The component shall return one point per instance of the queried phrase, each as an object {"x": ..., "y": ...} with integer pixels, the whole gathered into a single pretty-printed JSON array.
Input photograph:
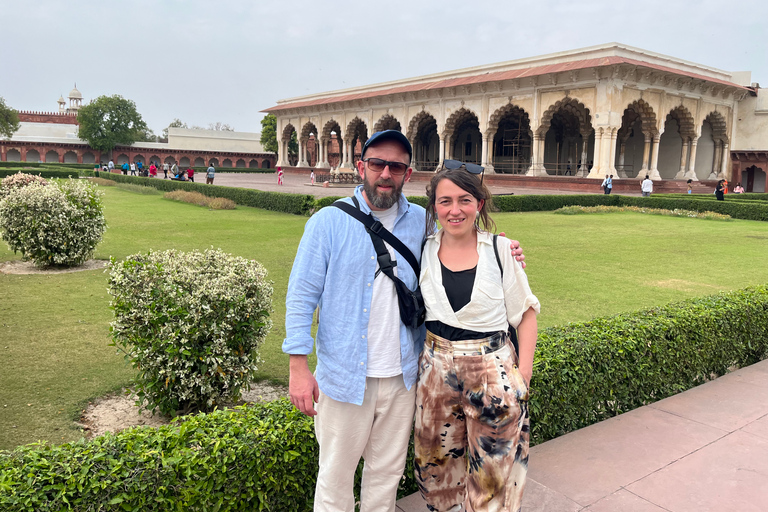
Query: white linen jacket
[{"x": 493, "y": 304}]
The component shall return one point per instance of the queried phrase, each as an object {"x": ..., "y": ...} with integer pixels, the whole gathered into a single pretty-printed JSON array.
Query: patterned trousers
[{"x": 472, "y": 428}]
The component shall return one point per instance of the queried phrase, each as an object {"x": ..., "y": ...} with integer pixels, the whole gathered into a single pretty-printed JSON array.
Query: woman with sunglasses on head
[{"x": 472, "y": 426}]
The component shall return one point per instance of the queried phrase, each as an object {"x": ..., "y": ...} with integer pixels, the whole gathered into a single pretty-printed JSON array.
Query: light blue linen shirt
[{"x": 334, "y": 267}]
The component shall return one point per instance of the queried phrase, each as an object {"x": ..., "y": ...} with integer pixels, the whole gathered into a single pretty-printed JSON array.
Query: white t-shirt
[
  {"x": 384, "y": 321},
  {"x": 646, "y": 185}
]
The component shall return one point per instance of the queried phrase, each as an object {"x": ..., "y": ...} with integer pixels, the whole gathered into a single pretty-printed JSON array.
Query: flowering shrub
[
  {"x": 56, "y": 224},
  {"x": 191, "y": 324},
  {"x": 575, "y": 210},
  {"x": 19, "y": 180}
]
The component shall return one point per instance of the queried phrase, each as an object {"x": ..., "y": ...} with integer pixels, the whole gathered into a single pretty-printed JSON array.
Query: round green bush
[
  {"x": 55, "y": 224},
  {"x": 191, "y": 324}
]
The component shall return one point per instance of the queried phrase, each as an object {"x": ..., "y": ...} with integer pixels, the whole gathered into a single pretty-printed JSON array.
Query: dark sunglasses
[
  {"x": 469, "y": 167},
  {"x": 378, "y": 165}
]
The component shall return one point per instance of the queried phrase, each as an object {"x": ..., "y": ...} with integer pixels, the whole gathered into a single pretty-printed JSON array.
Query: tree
[
  {"x": 269, "y": 136},
  {"x": 9, "y": 120},
  {"x": 220, "y": 127},
  {"x": 108, "y": 121},
  {"x": 146, "y": 135},
  {"x": 176, "y": 123}
]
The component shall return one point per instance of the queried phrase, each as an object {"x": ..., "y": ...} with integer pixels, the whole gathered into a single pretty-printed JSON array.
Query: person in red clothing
[
  {"x": 190, "y": 174},
  {"x": 153, "y": 170}
]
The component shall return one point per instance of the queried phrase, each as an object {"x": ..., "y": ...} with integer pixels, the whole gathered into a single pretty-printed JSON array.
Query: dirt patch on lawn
[
  {"x": 114, "y": 413},
  {"x": 27, "y": 267}
]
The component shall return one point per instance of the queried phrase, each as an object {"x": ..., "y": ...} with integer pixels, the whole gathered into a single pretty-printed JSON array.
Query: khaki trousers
[{"x": 379, "y": 431}]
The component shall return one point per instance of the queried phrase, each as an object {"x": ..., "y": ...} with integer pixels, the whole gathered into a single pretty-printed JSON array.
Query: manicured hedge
[
  {"x": 587, "y": 372},
  {"x": 45, "y": 173},
  {"x": 265, "y": 456},
  {"x": 262, "y": 457},
  {"x": 297, "y": 204}
]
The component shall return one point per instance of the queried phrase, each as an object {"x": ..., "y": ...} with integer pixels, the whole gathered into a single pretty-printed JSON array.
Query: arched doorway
[
  {"x": 89, "y": 158},
  {"x": 240, "y": 163},
  {"x": 675, "y": 143},
  {"x": 331, "y": 145},
  {"x": 634, "y": 139},
  {"x": 512, "y": 140},
  {"x": 290, "y": 145},
  {"x": 122, "y": 158},
  {"x": 462, "y": 131},
  {"x": 226, "y": 163},
  {"x": 566, "y": 138},
  {"x": 422, "y": 132},
  {"x": 13, "y": 155},
  {"x": 387, "y": 122},
  {"x": 357, "y": 134},
  {"x": 712, "y": 147},
  {"x": 51, "y": 157},
  {"x": 33, "y": 155},
  {"x": 184, "y": 162},
  {"x": 753, "y": 179},
  {"x": 308, "y": 150},
  {"x": 70, "y": 157},
  {"x": 199, "y": 162}
]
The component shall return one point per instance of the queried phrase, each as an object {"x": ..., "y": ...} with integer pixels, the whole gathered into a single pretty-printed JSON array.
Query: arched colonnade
[{"x": 663, "y": 140}]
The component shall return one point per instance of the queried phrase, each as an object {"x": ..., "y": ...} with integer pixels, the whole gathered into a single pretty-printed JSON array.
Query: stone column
[
  {"x": 653, "y": 172},
  {"x": 321, "y": 156},
  {"x": 646, "y": 157},
  {"x": 726, "y": 160},
  {"x": 584, "y": 169},
  {"x": 302, "y": 153},
  {"x": 622, "y": 152},
  {"x": 441, "y": 152},
  {"x": 346, "y": 160},
  {"x": 537, "y": 168},
  {"x": 716, "y": 160},
  {"x": 691, "y": 173},
  {"x": 597, "y": 165},
  {"x": 683, "y": 159},
  {"x": 612, "y": 153},
  {"x": 484, "y": 160}
]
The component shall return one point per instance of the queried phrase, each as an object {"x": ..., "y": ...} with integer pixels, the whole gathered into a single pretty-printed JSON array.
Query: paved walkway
[{"x": 702, "y": 450}]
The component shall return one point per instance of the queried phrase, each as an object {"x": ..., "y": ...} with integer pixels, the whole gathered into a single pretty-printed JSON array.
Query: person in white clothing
[
  {"x": 646, "y": 186},
  {"x": 472, "y": 426}
]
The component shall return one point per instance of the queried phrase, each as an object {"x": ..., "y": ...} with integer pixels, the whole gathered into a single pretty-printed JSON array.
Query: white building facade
[{"x": 608, "y": 109}]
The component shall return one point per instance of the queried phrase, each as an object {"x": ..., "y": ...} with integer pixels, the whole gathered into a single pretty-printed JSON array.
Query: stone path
[{"x": 705, "y": 449}]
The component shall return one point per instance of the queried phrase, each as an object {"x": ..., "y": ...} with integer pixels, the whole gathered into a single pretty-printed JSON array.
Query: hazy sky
[{"x": 225, "y": 60}]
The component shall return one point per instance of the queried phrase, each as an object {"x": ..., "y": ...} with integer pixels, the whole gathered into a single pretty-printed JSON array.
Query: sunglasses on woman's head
[{"x": 469, "y": 167}]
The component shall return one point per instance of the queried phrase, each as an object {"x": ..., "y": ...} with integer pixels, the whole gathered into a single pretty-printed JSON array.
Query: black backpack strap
[
  {"x": 375, "y": 227},
  {"x": 498, "y": 259}
]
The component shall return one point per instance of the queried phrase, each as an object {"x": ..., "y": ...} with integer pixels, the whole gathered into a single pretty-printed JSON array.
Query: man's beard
[{"x": 383, "y": 201}]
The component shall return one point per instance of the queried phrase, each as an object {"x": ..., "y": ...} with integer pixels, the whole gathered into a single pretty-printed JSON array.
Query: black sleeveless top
[{"x": 458, "y": 287}]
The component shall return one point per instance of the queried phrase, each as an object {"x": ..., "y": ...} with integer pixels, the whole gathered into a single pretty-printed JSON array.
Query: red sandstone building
[{"x": 52, "y": 137}]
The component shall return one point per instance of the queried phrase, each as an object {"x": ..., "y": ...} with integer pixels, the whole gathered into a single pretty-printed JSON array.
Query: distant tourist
[
  {"x": 312, "y": 177},
  {"x": 191, "y": 174},
  {"x": 279, "y": 175},
  {"x": 111, "y": 165},
  {"x": 738, "y": 189},
  {"x": 209, "y": 174},
  {"x": 720, "y": 191},
  {"x": 125, "y": 168},
  {"x": 140, "y": 167},
  {"x": 133, "y": 169},
  {"x": 607, "y": 184},
  {"x": 174, "y": 170},
  {"x": 153, "y": 170},
  {"x": 690, "y": 186},
  {"x": 646, "y": 186}
]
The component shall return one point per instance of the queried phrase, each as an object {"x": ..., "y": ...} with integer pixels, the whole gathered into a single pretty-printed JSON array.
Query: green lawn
[{"x": 54, "y": 328}]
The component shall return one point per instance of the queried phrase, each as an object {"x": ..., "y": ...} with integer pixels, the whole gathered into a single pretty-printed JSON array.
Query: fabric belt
[{"x": 466, "y": 347}]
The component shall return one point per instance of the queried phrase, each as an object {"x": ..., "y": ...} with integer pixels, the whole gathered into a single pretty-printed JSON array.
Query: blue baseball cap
[{"x": 395, "y": 135}]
